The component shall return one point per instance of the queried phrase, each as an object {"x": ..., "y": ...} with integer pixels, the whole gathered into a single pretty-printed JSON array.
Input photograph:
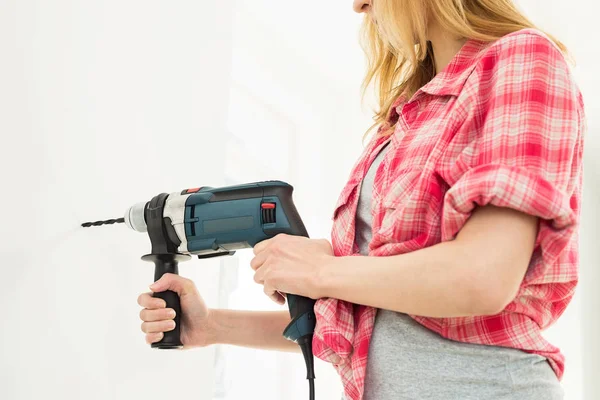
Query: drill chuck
[{"x": 135, "y": 219}]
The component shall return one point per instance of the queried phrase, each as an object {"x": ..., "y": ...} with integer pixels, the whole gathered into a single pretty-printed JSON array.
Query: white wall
[
  {"x": 102, "y": 104},
  {"x": 92, "y": 93}
]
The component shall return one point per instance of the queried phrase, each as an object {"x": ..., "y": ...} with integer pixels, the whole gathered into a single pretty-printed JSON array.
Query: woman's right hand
[{"x": 158, "y": 319}]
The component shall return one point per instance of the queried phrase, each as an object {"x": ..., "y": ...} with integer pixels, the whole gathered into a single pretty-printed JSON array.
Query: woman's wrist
[
  {"x": 324, "y": 282},
  {"x": 213, "y": 329}
]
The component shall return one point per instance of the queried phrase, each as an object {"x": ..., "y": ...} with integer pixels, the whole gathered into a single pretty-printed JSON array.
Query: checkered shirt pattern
[{"x": 502, "y": 124}]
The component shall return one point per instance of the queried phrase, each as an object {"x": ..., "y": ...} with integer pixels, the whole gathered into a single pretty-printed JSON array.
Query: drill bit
[{"x": 107, "y": 222}]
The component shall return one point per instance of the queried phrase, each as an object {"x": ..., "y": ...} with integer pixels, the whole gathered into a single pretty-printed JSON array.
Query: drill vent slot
[
  {"x": 268, "y": 215},
  {"x": 193, "y": 224}
]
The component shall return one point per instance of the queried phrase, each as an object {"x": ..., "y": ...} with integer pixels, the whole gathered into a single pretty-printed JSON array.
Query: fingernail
[
  {"x": 152, "y": 287},
  {"x": 171, "y": 313}
]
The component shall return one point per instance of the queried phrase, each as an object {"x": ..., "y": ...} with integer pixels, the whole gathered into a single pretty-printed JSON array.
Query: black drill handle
[
  {"x": 163, "y": 264},
  {"x": 171, "y": 339},
  {"x": 301, "y": 308},
  {"x": 299, "y": 305}
]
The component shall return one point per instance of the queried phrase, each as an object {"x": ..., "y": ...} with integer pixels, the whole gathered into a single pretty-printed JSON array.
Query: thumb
[{"x": 173, "y": 282}]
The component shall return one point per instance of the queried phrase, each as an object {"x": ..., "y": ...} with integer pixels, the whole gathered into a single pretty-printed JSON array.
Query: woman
[{"x": 454, "y": 242}]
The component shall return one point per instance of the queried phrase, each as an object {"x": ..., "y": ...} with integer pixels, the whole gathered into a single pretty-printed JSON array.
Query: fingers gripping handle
[
  {"x": 171, "y": 339},
  {"x": 163, "y": 264}
]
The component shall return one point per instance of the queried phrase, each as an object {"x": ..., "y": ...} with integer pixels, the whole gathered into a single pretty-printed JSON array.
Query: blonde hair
[{"x": 400, "y": 60}]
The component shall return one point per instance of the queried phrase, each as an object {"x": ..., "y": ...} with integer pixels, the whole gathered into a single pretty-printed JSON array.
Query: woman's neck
[{"x": 445, "y": 46}]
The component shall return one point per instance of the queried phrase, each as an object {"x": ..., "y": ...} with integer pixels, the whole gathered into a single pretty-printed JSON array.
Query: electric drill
[{"x": 211, "y": 222}]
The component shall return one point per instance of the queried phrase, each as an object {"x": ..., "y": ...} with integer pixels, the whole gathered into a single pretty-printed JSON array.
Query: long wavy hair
[{"x": 400, "y": 60}]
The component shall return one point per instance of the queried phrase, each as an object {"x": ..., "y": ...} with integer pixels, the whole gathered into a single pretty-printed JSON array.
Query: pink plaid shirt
[{"x": 502, "y": 124}]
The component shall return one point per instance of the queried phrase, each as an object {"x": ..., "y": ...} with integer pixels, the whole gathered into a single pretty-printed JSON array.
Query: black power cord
[{"x": 305, "y": 344}]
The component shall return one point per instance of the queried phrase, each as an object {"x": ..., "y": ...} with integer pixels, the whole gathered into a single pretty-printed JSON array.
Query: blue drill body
[{"x": 219, "y": 221}]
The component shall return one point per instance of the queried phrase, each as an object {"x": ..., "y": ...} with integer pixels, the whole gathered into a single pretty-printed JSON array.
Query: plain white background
[{"x": 104, "y": 104}]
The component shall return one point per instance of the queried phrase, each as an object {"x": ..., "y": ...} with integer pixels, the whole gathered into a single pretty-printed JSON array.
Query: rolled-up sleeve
[{"x": 521, "y": 144}]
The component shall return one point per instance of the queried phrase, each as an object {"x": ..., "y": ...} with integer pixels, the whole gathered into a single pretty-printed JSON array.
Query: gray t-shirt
[{"x": 408, "y": 361}]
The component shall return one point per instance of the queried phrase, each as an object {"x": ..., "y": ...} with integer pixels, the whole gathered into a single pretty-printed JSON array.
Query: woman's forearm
[
  {"x": 477, "y": 273},
  {"x": 432, "y": 282},
  {"x": 256, "y": 329}
]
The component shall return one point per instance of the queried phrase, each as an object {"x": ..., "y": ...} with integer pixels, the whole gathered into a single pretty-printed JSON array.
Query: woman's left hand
[{"x": 290, "y": 264}]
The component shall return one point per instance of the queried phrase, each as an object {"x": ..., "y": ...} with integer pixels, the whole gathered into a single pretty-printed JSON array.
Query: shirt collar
[{"x": 451, "y": 79}]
